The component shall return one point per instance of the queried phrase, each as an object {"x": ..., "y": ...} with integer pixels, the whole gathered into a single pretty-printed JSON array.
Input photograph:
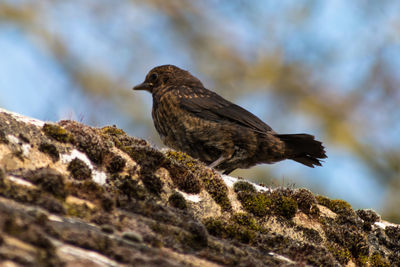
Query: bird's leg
[{"x": 217, "y": 162}]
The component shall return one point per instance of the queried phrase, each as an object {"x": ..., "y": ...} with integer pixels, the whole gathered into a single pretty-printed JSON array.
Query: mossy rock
[
  {"x": 341, "y": 254},
  {"x": 246, "y": 220},
  {"x": 58, "y": 133},
  {"x": 284, "y": 206},
  {"x": 227, "y": 229},
  {"x": 378, "y": 260},
  {"x": 176, "y": 200},
  {"x": 336, "y": 205},
  {"x": 243, "y": 186},
  {"x": 256, "y": 203},
  {"x": 197, "y": 177}
]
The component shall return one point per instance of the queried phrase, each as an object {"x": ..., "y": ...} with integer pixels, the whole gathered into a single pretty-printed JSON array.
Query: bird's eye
[{"x": 153, "y": 77}]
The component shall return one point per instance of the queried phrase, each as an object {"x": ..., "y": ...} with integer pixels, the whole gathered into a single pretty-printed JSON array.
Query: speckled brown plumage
[{"x": 195, "y": 120}]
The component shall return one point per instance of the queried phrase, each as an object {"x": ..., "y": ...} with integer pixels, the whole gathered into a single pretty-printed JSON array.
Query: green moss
[
  {"x": 122, "y": 140},
  {"x": 187, "y": 174},
  {"x": 240, "y": 233},
  {"x": 335, "y": 205},
  {"x": 184, "y": 179},
  {"x": 314, "y": 211},
  {"x": 215, "y": 227},
  {"x": 178, "y": 201},
  {"x": 114, "y": 134},
  {"x": 184, "y": 171},
  {"x": 50, "y": 150},
  {"x": 243, "y": 186},
  {"x": 178, "y": 156},
  {"x": 368, "y": 215},
  {"x": 147, "y": 157},
  {"x": 256, "y": 203},
  {"x": 263, "y": 203},
  {"x": 377, "y": 260},
  {"x": 310, "y": 234},
  {"x": 246, "y": 220},
  {"x": 127, "y": 186},
  {"x": 48, "y": 180},
  {"x": 152, "y": 183},
  {"x": 58, "y": 133},
  {"x": 79, "y": 169},
  {"x": 223, "y": 229},
  {"x": 324, "y": 201},
  {"x": 80, "y": 211},
  {"x": 116, "y": 164},
  {"x": 150, "y": 160},
  {"x": 347, "y": 236},
  {"x": 305, "y": 199},
  {"x": 342, "y": 255},
  {"x": 341, "y": 206},
  {"x": 362, "y": 260},
  {"x": 284, "y": 206},
  {"x": 184, "y": 159},
  {"x": 217, "y": 188},
  {"x": 112, "y": 130}
]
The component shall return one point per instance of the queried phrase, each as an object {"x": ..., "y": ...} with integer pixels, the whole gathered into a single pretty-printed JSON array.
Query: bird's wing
[{"x": 209, "y": 105}]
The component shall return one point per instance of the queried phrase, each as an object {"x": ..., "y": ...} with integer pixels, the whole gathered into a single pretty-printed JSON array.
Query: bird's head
[{"x": 167, "y": 75}]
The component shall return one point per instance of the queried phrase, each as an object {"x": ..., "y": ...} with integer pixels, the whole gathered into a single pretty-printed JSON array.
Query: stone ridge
[{"x": 72, "y": 195}]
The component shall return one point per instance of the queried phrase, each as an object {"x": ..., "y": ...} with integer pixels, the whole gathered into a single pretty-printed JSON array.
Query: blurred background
[{"x": 330, "y": 68}]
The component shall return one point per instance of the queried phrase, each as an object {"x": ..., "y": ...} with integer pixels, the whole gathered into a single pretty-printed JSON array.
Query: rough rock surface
[{"x": 74, "y": 195}]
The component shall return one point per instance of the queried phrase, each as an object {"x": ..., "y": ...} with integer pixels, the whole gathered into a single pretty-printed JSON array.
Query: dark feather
[
  {"x": 303, "y": 148},
  {"x": 210, "y": 106}
]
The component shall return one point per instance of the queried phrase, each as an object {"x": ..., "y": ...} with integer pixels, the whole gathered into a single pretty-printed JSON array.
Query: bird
[{"x": 192, "y": 119}]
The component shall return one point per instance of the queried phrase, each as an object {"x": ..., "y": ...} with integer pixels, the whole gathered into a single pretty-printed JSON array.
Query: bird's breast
[{"x": 168, "y": 118}]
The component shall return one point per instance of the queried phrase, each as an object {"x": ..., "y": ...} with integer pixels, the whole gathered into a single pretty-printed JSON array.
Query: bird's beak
[{"x": 143, "y": 86}]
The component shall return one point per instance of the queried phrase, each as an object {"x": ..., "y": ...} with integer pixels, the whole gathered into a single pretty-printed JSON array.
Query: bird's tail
[{"x": 303, "y": 148}]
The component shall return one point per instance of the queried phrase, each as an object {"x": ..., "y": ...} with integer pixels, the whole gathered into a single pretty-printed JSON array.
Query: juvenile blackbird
[{"x": 195, "y": 120}]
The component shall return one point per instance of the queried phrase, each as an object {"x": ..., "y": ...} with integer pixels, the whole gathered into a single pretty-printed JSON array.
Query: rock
[
  {"x": 132, "y": 236},
  {"x": 71, "y": 194}
]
